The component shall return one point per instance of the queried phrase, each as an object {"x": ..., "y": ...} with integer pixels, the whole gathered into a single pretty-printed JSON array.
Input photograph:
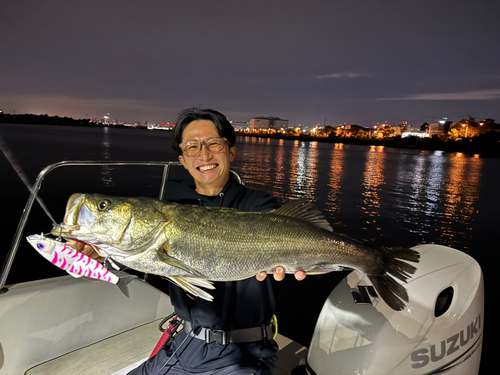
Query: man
[{"x": 242, "y": 310}]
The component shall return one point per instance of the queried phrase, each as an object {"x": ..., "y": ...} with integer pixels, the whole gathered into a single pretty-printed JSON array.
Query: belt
[{"x": 264, "y": 332}]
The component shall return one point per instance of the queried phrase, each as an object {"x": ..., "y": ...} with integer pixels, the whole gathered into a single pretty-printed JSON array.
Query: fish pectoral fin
[
  {"x": 199, "y": 282},
  {"x": 164, "y": 257},
  {"x": 190, "y": 285},
  {"x": 317, "y": 272},
  {"x": 324, "y": 268}
]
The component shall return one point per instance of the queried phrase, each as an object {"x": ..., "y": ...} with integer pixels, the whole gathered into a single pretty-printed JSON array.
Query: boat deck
[{"x": 121, "y": 353}]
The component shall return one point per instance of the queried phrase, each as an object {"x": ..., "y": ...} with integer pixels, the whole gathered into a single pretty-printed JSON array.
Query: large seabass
[{"x": 192, "y": 245}]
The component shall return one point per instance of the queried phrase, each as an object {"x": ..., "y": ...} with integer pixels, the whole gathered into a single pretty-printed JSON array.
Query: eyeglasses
[{"x": 193, "y": 147}]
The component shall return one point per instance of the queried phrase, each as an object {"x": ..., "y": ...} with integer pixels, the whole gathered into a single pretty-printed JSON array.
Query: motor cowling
[{"x": 440, "y": 330}]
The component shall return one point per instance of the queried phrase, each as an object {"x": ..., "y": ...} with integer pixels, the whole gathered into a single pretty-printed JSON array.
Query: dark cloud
[
  {"x": 342, "y": 75},
  {"x": 465, "y": 95}
]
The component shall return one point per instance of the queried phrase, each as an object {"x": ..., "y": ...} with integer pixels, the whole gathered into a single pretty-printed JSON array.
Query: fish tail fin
[
  {"x": 395, "y": 266},
  {"x": 395, "y": 262},
  {"x": 190, "y": 285},
  {"x": 123, "y": 284}
]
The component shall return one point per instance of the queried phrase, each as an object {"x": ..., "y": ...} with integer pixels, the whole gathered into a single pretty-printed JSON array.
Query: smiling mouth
[{"x": 204, "y": 168}]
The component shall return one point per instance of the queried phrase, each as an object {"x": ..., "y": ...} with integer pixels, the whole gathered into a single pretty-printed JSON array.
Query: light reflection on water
[
  {"x": 401, "y": 195},
  {"x": 461, "y": 191},
  {"x": 335, "y": 178},
  {"x": 272, "y": 165},
  {"x": 106, "y": 170},
  {"x": 373, "y": 179},
  {"x": 418, "y": 190},
  {"x": 281, "y": 167},
  {"x": 304, "y": 168},
  {"x": 372, "y": 182}
]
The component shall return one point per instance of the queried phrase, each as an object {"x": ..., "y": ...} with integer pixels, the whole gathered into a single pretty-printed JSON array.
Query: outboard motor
[{"x": 439, "y": 331}]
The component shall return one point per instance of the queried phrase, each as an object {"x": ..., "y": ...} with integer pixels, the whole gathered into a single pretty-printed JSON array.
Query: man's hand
[
  {"x": 85, "y": 249},
  {"x": 279, "y": 274}
]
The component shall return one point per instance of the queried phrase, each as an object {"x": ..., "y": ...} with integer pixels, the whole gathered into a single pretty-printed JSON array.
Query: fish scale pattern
[
  {"x": 231, "y": 245},
  {"x": 191, "y": 244}
]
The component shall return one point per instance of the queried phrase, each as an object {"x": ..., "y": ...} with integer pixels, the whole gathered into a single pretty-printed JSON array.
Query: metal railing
[{"x": 38, "y": 184}]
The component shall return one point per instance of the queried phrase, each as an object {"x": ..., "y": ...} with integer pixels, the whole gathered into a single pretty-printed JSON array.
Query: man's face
[{"x": 209, "y": 170}]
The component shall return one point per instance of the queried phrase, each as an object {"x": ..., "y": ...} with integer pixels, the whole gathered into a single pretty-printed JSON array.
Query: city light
[{"x": 442, "y": 130}]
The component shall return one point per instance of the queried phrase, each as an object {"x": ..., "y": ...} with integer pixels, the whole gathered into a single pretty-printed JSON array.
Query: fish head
[
  {"x": 41, "y": 243},
  {"x": 90, "y": 216},
  {"x": 119, "y": 223}
]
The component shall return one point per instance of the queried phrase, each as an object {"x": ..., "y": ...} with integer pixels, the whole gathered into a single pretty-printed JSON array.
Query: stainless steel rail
[{"x": 67, "y": 163}]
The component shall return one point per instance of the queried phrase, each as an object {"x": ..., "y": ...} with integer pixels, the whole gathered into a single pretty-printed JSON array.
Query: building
[
  {"x": 267, "y": 123},
  {"x": 241, "y": 126},
  {"x": 413, "y": 132},
  {"x": 439, "y": 129}
]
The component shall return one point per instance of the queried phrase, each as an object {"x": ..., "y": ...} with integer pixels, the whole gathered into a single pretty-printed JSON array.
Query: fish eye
[
  {"x": 103, "y": 205},
  {"x": 40, "y": 246}
]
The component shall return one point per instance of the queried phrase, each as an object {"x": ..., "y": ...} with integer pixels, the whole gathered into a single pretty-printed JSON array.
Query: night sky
[{"x": 354, "y": 61}]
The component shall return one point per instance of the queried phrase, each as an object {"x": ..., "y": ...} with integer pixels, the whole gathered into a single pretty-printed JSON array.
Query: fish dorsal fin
[{"x": 304, "y": 210}]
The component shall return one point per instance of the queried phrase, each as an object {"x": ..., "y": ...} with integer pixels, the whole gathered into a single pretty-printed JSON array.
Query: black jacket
[{"x": 237, "y": 304}]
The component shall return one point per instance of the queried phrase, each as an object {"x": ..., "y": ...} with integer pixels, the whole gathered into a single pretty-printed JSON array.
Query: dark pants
[{"x": 156, "y": 366}]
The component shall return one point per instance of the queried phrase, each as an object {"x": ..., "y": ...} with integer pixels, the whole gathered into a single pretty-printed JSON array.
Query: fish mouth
[
  {"x": 77, "y": 220},
  {"x": 208, "y": 167},
  {"x": 73, "y": 208},
  {"x": 69, "y": 227}
]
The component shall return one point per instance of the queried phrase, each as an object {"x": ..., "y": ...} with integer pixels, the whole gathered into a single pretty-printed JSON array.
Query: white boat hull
[
  {"x": 440, "y": 331},
  {"x": 45, "y": 319}
]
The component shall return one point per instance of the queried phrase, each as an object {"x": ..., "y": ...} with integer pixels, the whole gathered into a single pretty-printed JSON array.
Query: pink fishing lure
[{"x": 67, "y": 258}]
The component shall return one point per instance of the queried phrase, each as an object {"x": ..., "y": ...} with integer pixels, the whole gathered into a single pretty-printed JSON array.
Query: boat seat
[
  {"x": 106, "y": 357},
  {"x": 121, "y": 353}
]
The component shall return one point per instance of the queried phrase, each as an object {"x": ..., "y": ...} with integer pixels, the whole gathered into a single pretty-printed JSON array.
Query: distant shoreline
[
  {"x": 479, "y": 145},
  {"x": 483, "y": 145}
]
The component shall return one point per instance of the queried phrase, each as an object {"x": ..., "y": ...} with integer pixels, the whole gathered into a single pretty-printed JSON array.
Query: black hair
[{"x": 186, "y": 116}]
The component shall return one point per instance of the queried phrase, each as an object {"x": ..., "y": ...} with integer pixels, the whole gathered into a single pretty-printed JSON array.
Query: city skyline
[{"x": 313, "y": 62}]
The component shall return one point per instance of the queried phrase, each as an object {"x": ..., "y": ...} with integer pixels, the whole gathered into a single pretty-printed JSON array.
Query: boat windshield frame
[{"x": 72, "y": 163}]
